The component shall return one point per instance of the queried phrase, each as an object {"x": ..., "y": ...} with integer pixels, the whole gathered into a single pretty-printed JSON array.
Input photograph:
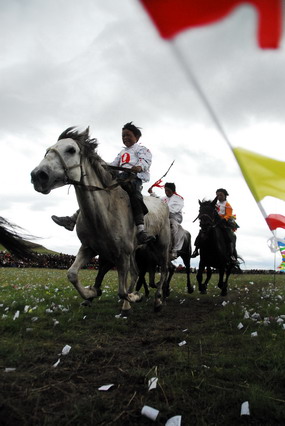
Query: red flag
[
  {"x": 173, "y": 16},
  {"x": 275, "y": 221}
]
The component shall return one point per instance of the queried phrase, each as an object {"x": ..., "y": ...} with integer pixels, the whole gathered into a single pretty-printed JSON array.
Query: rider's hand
[{"x": 136, "y": 169}]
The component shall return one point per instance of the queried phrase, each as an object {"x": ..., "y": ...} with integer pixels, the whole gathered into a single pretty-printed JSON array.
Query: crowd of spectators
[
  {"x": 64, "y": 261},
  {"x": 43, "y": 260}
]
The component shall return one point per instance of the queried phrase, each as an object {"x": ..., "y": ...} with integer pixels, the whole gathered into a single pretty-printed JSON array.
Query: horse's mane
[{"x": 88, "y": 148}]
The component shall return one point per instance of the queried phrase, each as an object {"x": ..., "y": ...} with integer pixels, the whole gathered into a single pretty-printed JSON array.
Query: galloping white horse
[{"x": 105, "y": 225}]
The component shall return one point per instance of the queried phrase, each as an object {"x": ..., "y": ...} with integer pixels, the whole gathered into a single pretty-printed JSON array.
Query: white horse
[{"x": 105, "y": 225}]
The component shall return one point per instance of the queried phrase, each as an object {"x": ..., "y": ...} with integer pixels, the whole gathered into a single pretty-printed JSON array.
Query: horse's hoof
[
  {"x": 125, "y": 313},
  {"x": 203, "y": 291},
  {"x": 98, "y": 292},
  {"x": 87, "y": 302},
  {"x": 220, "y": 285},
  {"x": 152, "y": 285},
  {"x": 224, "y": 292},
  {"x": 190, "y": 289},
  {"x": 157, "y": 308}
]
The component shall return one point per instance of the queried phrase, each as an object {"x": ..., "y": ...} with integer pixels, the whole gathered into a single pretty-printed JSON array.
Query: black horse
[
  {"x": 13, "y": 241},
  {"x": 214, "y": 247}
]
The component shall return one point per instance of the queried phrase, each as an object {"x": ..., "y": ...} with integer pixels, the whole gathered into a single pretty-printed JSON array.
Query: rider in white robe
[{"x": 175, "y": 204}]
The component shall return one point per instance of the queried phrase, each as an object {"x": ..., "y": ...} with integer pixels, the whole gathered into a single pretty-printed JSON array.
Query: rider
[
  {"x": 137, "y": 159},
  {"x": 225, "y": 212},
  {"x": 175, "y": 204}
]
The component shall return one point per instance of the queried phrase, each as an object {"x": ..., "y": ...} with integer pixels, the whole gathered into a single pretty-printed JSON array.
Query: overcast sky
[{"x": 101, "y": 64}]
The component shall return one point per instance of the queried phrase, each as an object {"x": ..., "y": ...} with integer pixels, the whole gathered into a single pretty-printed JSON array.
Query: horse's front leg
[
  {"x": 123, "y": 269},
  {"x": 221, "y": 284},
  {"x": 83, "y": 256},
  {"x": 224, "y": 286},
  {"x": 199, "y": 277}
]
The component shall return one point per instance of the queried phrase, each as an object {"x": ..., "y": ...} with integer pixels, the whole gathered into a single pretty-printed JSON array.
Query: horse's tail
[{"x": 13, "y": 241}]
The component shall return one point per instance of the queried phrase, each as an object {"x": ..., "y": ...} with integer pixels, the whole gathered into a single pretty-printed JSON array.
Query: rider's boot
[{"x": 65, "y": 221}]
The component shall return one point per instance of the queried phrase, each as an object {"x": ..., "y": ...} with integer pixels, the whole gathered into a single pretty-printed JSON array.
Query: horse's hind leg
[
  {"x": 83, "y": 256},
  {"x": 186, "y": 261},
  {"x": 104, "y": 267}
]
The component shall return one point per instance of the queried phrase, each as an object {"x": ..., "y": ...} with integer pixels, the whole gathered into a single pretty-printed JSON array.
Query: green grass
[{"x": 206, "y": 380}]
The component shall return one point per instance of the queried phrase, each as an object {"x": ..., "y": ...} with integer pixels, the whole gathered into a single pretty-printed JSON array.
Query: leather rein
[{"x": 70, "y": 181}]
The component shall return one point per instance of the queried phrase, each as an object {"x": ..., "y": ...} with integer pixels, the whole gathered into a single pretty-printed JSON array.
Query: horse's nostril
[
  {"x": 42, "y": 176},
  {"x": 39, "y": 176}
]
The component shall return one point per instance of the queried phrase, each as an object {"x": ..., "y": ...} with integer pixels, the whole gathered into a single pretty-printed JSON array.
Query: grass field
[{"x": 234, "y": 352}]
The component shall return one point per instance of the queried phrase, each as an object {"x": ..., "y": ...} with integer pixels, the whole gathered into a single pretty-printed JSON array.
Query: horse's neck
[{"x": 96, "y": 203}]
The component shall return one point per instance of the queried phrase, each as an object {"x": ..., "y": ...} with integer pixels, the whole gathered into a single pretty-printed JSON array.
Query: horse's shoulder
[{"x": 155, "y": 205}]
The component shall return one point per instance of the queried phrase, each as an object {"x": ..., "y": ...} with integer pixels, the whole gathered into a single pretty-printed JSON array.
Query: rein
[{"x": 90, "y": 187}]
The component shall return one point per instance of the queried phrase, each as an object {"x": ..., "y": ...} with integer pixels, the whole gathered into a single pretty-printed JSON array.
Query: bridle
[
  {"x": 66, "y": 168},
  {"x": 70, "y": 181}
]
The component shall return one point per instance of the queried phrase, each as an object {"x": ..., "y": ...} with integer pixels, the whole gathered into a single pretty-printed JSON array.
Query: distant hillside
[{"x": 35, "y": 247}]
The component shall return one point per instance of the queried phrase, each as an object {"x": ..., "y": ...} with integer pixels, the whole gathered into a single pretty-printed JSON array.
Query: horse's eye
[{"x": 71, "y": 150}]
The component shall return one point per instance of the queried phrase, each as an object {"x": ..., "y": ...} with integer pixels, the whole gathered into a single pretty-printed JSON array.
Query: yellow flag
[{"x": 265, "y": 176}]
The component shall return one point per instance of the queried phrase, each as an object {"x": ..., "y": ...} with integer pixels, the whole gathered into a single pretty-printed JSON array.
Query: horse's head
[
  {"x": 62, "y": 162},
  {"x": 208, "y": 215}
]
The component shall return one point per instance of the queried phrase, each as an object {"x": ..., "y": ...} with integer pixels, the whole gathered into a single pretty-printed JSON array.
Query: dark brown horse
[{"x": 214, "y": 248}]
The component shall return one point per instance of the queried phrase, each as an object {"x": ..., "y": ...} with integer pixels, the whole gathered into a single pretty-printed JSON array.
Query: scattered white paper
[
  {"x": 182, "y": 343},
  {"x": 66, "y": 350},
  {"x": 185, "y": 329},
  {"x": 149, "y": 412},
  {"x": 56, "y": 364},
  {"x": 26, "y": 308},
  {"x": 244, "y": 411},
  {"x": 9, "y": 370},
  {"x": 17, "y": 314},
  {"x": 254, "y": 334},
  {"x": 105, "y": 387},
  {"x": 152, "y": 383},
  {"x": 246, "y": 315},
  {"x": 240, "y": 326},
  {"x": 174, "y": 421}
]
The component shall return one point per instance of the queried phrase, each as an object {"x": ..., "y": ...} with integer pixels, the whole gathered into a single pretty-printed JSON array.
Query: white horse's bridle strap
[{"x": 63, "y": 163}]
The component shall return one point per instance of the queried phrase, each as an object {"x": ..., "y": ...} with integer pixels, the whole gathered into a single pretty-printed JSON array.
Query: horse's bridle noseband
[
  {"x": 70, "y": 181},
  {"x": 64, "y": 165}
]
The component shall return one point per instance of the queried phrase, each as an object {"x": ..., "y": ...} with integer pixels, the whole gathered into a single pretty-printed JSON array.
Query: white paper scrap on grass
[
  {"x": 240, "y": 326},
  {"x": 254, "y": 334},
  {"x": 17, "y": 314},
  {"x": 174, "y": 421},
  {"x": 149, "y": 412},
  {"x": 244, "y": 411},
  {"x": 182, "y": 343},
  {"x": 56, "y": 363},
  {"x": 9, "y": 370},
  {"x": 105, "y": 387},
  {"x": 66, "y": 350},
  {"x": 152, "y": 383}
]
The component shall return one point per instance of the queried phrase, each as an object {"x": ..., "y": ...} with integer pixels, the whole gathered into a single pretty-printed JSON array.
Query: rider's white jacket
[
  {"x": 175, "y": 204},
  {"x": 136, "y": 155}
]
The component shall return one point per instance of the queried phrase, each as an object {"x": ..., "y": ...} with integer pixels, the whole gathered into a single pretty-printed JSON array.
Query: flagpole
[{"x": 194, "y": 82}]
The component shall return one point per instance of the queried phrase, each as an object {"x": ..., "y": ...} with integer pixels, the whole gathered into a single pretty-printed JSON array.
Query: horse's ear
[
  {"x": 200, "y": 202},
  {"x": 214, "y": 202}
]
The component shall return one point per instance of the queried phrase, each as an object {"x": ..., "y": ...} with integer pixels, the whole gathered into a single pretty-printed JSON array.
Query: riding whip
[{"x": 158, "y": 182}]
